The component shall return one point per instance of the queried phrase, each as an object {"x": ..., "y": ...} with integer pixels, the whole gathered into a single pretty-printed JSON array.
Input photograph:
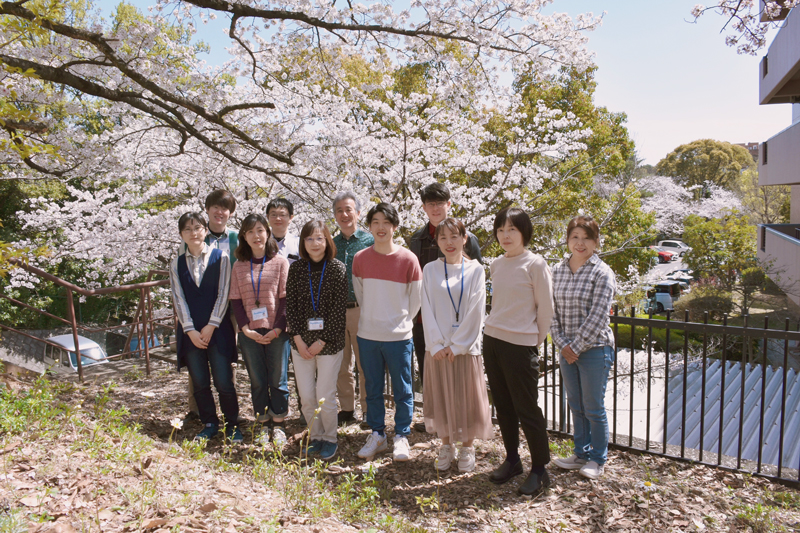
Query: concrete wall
[
  {"x": 29, "y": 353},
  {"x": 781, "y": 166},
  {"x": 779, "y": 69},
  {"x": 784, "y": 252}
]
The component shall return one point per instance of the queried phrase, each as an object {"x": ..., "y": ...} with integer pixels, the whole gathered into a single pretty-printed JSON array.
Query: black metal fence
[{"x": 716, "y": 394}]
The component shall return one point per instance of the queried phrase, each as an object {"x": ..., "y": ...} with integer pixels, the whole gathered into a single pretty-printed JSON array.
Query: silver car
[{"x": 64, "y": 353}]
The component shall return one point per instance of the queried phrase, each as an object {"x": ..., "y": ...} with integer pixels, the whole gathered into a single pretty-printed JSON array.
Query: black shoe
[
  {"x": 505, "y": 472},
  {"x": 419, "y": 426},
  {"x": 346, "y": 417},
  {"x": 534, "y": 484}
]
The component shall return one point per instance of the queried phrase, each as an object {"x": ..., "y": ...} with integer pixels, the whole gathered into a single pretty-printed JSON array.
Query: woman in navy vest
[{"x": 200, "y": 281}]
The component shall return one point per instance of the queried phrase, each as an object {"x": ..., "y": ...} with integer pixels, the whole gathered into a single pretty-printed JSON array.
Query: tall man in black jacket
[{"x": 436, "y": 204}]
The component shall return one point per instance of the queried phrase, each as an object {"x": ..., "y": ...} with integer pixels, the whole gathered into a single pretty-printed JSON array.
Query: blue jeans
[
  {"x": 396, "y": 356},
  {"x": 585, "y": 382},
  {"x": 266, "y": 365},
  {"x": 198, "y": 362}
]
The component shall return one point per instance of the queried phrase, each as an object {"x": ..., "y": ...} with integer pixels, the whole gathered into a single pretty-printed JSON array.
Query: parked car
[
  {"x": 664, "y": 256},
  {"x": 662, "y": 295},
  {"x": 64, "y": 353},
  {"x": 678, "y": 247}
]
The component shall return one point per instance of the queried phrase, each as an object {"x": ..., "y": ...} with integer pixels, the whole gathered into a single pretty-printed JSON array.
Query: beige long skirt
[{"x": 455, "y": 401}]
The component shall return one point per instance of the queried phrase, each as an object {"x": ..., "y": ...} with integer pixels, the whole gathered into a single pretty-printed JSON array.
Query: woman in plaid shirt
[{"x": 583, "y": 290}]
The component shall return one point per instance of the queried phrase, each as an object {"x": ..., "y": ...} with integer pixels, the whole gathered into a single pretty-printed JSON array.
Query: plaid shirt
[{"x": 582, "y": 304}]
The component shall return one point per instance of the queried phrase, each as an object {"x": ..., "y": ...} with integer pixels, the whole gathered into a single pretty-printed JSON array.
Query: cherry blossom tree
[
  {"x": 139, "y": 130},
  {"x": 747, "y": 21}
]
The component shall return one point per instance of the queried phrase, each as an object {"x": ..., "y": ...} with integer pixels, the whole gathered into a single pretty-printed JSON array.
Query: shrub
[{"x": 704, "y": 297}]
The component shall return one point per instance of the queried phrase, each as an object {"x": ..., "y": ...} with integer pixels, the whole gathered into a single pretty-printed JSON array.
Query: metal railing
[
  {"x": 142, "y": 326},
  {"x": 715, "y": 394}
]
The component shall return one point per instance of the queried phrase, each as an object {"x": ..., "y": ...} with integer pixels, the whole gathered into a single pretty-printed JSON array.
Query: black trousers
[
  {"x": 513, "y": 373},
  {"x": 419, "y": 350}
]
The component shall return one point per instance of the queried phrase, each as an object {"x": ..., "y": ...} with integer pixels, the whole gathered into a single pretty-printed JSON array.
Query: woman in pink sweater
[{"x": 258, "y": 298}]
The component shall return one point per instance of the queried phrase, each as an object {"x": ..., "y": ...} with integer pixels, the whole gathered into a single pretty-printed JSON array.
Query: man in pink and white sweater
[{"x": 387, "y": 282}]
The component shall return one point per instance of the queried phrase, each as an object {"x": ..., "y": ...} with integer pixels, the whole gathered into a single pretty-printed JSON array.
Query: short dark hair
[
  {"x": 435, "y": 192},
  {"x": 518, "y": 218},
  {"x": 196, "y": 216},
  {"x": 277, "y": 203},
  {"x": 587, "y": 224},
  {"x": 310, "y": 227},
  {"x": 222, "y": 198},
  {"x": 388, "y": 211},
  {"x": 243, "y": 252}
]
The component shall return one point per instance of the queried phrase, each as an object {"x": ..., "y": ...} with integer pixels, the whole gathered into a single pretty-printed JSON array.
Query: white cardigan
[{"x": 438, "y": 314}]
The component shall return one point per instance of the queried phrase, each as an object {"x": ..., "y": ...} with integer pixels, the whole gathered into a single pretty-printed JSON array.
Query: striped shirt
[
  {"x": 388, "y": 288},
  {"x": 197, "y": 267},
  {"x": 582, "y": 304}
]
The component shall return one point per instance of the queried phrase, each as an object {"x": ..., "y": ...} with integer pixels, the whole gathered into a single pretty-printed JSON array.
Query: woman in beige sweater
[{"x": 522, "y": 309}]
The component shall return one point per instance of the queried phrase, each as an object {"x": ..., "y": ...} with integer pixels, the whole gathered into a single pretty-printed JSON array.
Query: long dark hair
[{"x": 243, "y": 251}]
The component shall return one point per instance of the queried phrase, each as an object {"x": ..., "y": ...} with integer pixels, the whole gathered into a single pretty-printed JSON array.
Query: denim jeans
[
  {"x": 316, "y": 380},
  {"x": 585, "y": 382},
  {"x": 396, "y": 356},
  {"x": 266, "y": 364},
  {"x": 198, "y": 362}
]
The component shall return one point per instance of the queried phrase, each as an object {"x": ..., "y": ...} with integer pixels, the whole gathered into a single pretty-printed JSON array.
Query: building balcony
[
  {"x": 779, "y": 158},
  {"x": 779, "y": 245},
  {"x": 779, "y": 80}
]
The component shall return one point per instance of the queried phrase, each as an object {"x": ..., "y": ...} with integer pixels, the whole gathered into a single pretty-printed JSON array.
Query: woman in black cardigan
[{"x": 316, "y": 298}]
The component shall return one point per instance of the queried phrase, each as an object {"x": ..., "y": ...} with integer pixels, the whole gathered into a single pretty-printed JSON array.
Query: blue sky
[{"x": 676, "y": 80}]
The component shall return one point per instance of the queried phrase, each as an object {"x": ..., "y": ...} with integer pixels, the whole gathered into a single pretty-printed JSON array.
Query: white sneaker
[
  {"x": 592, "y": 470},
  {"x": 446, "y": 455},
  {"x": 278, "y": 437},
  {"x": 375, "y": 443},
  {"x": 570, "y": 463},
  {"x": 401, "y": 452},
  {"x": 466, "y": 459}
]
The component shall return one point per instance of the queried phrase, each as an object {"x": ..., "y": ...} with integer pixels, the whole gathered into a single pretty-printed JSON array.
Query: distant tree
[
  {"x": 724, "y": 252},
  {"x": 705, "y": 162}
]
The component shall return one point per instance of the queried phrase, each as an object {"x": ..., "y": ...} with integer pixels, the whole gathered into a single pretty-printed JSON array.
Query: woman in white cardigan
[{"x": 456, "y": 404}]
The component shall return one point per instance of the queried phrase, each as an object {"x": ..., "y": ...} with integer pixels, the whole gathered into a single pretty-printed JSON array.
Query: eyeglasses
[
  {"x": 436, "y": 204},
  {"x": 193, "y": 231},
  {"x": 312, "y": 240}
]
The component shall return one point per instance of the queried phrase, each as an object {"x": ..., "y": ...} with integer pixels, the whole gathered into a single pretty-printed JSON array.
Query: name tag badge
[
  {"x": 456, "y": 325},
  {"x": 315, "y": 324},
  {"x": 260, "y": 313}
]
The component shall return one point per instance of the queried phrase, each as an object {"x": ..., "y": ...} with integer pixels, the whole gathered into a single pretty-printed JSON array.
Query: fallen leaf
[
  {"x": 154, "y": 523},
  {"x": 225, "y": 489},
  {"x": 105, "y": 514},
  {"x": 209, "y": 507},
  {"x": 32, "y": 501}
]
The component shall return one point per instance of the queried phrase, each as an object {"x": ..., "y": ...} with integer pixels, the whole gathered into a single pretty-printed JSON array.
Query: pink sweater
[
  {"x": 389, "y": 290},
  {"x": 273, "y": 287}
]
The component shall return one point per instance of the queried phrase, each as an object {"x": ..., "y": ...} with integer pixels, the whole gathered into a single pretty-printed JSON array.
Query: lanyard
[
  {"x": 252, "y": 277},
  {"x": 447, "y": 280},
  {"x": 315, "y": 303}
]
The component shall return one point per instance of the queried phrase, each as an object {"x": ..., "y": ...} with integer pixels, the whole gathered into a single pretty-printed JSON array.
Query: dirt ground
[{"x": 68, "y": 485}]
